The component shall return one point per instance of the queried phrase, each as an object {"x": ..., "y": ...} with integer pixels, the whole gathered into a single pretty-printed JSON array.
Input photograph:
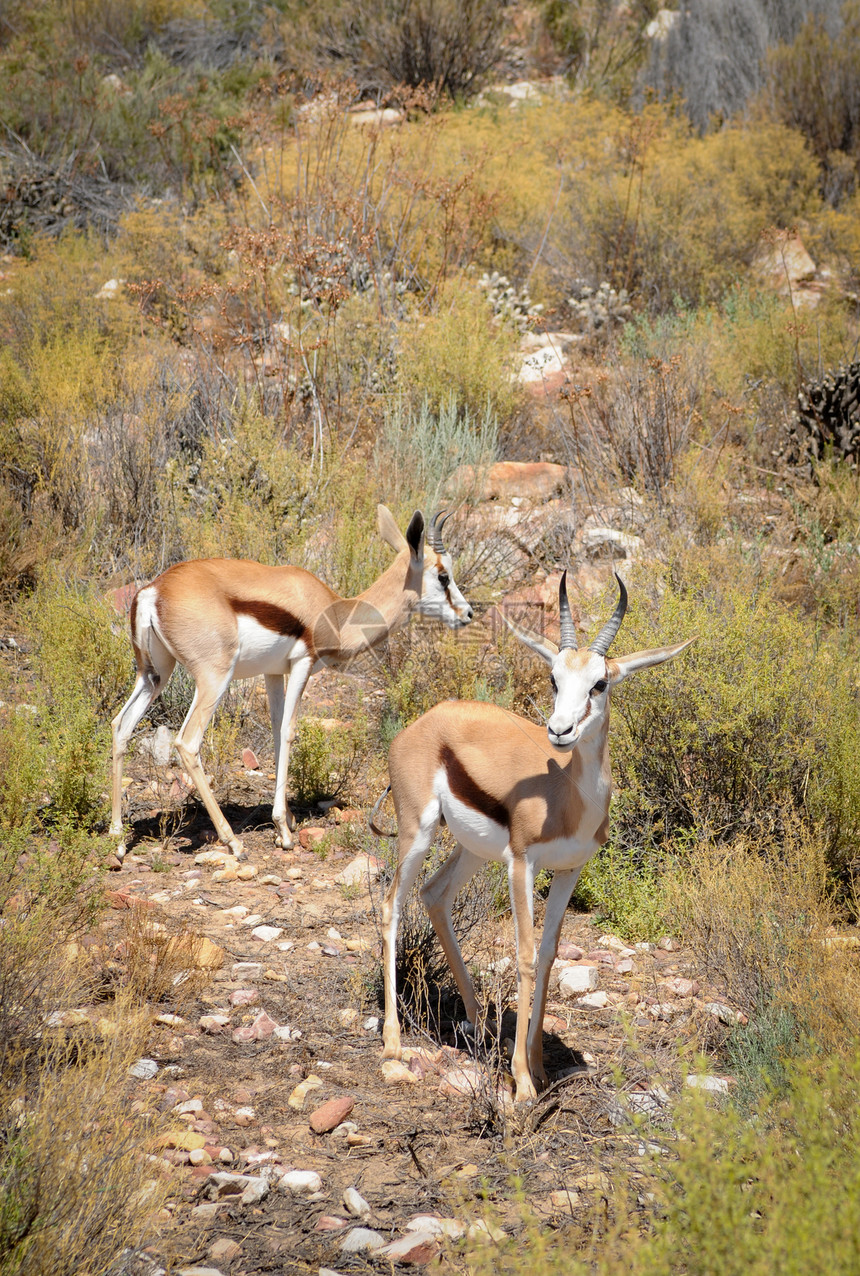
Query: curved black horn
[
  {"x": 437, "y": 522},
  {"x": 610, "y": 629},
  {"x": 568, "y": 632}
]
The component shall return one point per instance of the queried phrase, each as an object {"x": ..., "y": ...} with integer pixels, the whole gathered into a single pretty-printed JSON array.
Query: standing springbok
[
  {"x": 223, "y": 619},
  {"x": 508, "y": 795}
]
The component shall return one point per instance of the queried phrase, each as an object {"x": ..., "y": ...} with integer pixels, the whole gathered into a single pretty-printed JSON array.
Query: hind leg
[
  {"x": 150, "y": 683},
  {"x": 413, "y": 843},
  {"x": 438, "y": 895}
]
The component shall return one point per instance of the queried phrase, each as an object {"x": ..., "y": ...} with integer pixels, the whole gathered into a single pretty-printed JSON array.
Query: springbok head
[
  {"x": 581, "y": 677},
  {"x": 439, "y": 596}
]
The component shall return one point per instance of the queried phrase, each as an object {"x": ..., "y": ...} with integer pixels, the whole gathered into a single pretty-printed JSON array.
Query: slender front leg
[
  {"x": 291, "y": 699},
  {"x": 557, "y": 900},
  {"x": 438, "y": 895},
  {"x": 413, "y": 844},
  {"x": 521, "y": 882}
]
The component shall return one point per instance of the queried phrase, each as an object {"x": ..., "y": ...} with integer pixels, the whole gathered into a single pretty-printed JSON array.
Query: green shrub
[
  {"x": 754, "y": 724},
  {"x": 323, "y": 763}
]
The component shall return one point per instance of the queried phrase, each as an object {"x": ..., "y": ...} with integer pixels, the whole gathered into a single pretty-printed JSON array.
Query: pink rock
[
  {"x": 329, "y": 1223},
  {"x": 416, "y": 1249},
  {"x": 263, "y": 1026},
  {"x": 307, "y": 837},
  {"x": 569, "y": 952},
  {"x": 682, "y": 987},
  {"x": 249, "y": 760},
  {"x": 244, "y": 997},
  {"x": 245, "y": 1033},
  {"x": 331, "y": 1114}
]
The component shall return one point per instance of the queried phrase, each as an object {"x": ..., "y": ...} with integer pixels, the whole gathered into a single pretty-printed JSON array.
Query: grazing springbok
[
  {"x": 224, "y": 618},
  {"x": 509, "y": 794}
]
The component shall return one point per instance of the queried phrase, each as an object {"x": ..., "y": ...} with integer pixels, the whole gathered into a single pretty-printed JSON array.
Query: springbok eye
[
  {"x": 599, "y": 687},
  {"x": 553, "y": 683},
  {"x": 444, "y": 580}
]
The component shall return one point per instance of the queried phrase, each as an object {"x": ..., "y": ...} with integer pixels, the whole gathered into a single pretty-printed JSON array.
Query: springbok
[
  {"x": 225, "y": 618},
  {"x": 509, "y": 794}
]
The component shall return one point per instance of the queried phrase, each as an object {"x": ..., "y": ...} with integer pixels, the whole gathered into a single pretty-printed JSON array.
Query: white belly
[{"x": 261, "y": 651}]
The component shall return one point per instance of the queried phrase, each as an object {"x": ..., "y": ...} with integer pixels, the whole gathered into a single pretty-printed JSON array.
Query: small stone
[
  {"x": 267, "y": 933},
  {"x": 310, "y": 836},
  {"x": 594, "y": 1000},
  {"x": 415, "y": 1248},
  {"x": 248, "y": 1188},
  {"x": 244, "y": 997},
  {"x": 297, "y": 1098},
  {"x": 208, "y": 858},
  {"x": 199, "y": 1156},
  {"x": 484, "y": 1231},
  {"x": 712, "y": 1085},
  {"x": 246, "y": 872},
  {"x": 569, "y": 952},
  {"x": 330, "y": 1115},
  {"x": 363, "y": 869},
  {"x": 224, "y": 1250},
  {"x": 361, "y": 1240},
  {"x": 254, "y": 919},
  {"x": 271, "y": 879},
  {"x": 244, "y": 1117},
  {"x": 668, "y": 944},
  {"x": 294, "y": 873},
  {"x": 577, "y": 979},
  {"x": 450, "y": 1227},
  {"x": 330, "y": 1223},
  {"x": 205, "y": 954},
  {"x": 724, "y": 1013},
  {"x": 213, "y": 1024},
  {"x": 347, "y": 1018},
  {"x": 199, "y": 1271},
  {"x": 246, "y": 970},
  {"x": 249, "y": 760},
  {"x": 143, "y": 1070},
  {"x": 564, "y": 1201},
  {"x": 466, "y": 1079},
  {"x": 682, "y": 987},
  {"x": 189, "y": 1105},
  {"x": 394, "y": 1072},
  {"x": 300, "y": 1183},
  {"x": 355, "y": 1204}
]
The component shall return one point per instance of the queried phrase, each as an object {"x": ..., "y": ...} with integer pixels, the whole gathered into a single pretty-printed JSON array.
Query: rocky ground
[{"x": 292, "y": 1146}]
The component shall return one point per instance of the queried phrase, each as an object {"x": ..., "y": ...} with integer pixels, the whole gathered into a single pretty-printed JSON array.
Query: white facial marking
[
  {"x": 440, "y": 597},
  {"x": 576, "y": 675}
]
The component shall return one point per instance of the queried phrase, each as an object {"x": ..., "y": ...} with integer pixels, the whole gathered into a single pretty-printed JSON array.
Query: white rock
[
  {"x": 600, "y": 541},
  {"x": 363, "y": 869},
  {"x": 594, "y": 1000},
  {"x": 300, "y": 1183},
  {"x": 267, "y": 933},
  {"x": 371, "y": 1024},
  {"x": 713, "y": 1085},
  {"x": 246, "y": 970},
  {"x": 143, "y": 1070},
  {"x": 248, "y": 1187},
  {"x": 401, "y": 1250},
  {"x": 577, "y": 979},
  {"x": 361, "y": 1240},
  {"x": 451, "y": 1227},
  {"x": 253, "y": 920},
  {"x": 724, "y": 1013},
  {"x": 355, "y": 1204},
  {"x": 158, "y": 745}
]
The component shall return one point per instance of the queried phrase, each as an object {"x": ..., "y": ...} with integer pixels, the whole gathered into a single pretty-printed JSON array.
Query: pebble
[
  {"x": 244, "y": 997},
  {"x": 249, "y": 760},
  {"x": 329, "y": 1223},
  {"x": 364, "y": 868},
  {"x": 594, "y": 1000},
  {"x": 361, "y": 1240},
  {"x": 246, "y": 872},
  {"x": 395, "y": 1073},
  {"x": 224, "y": 1249},
  {"x": 255, "y": 919},
  {"x": 249, "y": 1188},
  {"x": 297, "y": 1098},
  {"x": 267, "y": 933},
  {"x": 347, "y": 1018},
  {"x": 300, "y": 1183},
  {"x": 416, "y": 1248},
  {"x": 213, "y": 1024},
  {"x": 712, "y": 1085},
  {"x": 355, "y": 1204},
  {"x": 577, "y": 979},
  {"x": 246, "y": 970},
  {"x": 330, "y": 1115},
  {"x": 143, "y": 1070},
  {"x": 450, "y": 1227},
  {"x": 199, "y": 1271},
  {"x": 569, "y": 952}
]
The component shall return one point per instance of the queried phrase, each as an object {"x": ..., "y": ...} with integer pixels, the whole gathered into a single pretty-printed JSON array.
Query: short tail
[{"x": 371, "y": 819}]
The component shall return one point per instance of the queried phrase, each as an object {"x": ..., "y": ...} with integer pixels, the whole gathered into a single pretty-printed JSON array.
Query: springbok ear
[
  {"x": 388, "y": 529},
  {"x": 541, "y": 646},
  {"x": 620, "y": 667},
  {"x": 415, "y": 534}
]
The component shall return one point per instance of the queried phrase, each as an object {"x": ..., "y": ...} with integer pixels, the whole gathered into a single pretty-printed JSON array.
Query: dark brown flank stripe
[
  {"x": 468, "y": 791},
  {"x": 272, "y": 617}
]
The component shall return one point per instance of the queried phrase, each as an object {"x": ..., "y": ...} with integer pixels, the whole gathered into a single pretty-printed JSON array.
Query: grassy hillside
[{"x": 236, "y": 312}]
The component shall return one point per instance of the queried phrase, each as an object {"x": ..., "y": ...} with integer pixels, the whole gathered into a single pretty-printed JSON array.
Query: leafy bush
[
  {"x": 323, "y": 762},
  {"x": 754, "y": 724}
]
